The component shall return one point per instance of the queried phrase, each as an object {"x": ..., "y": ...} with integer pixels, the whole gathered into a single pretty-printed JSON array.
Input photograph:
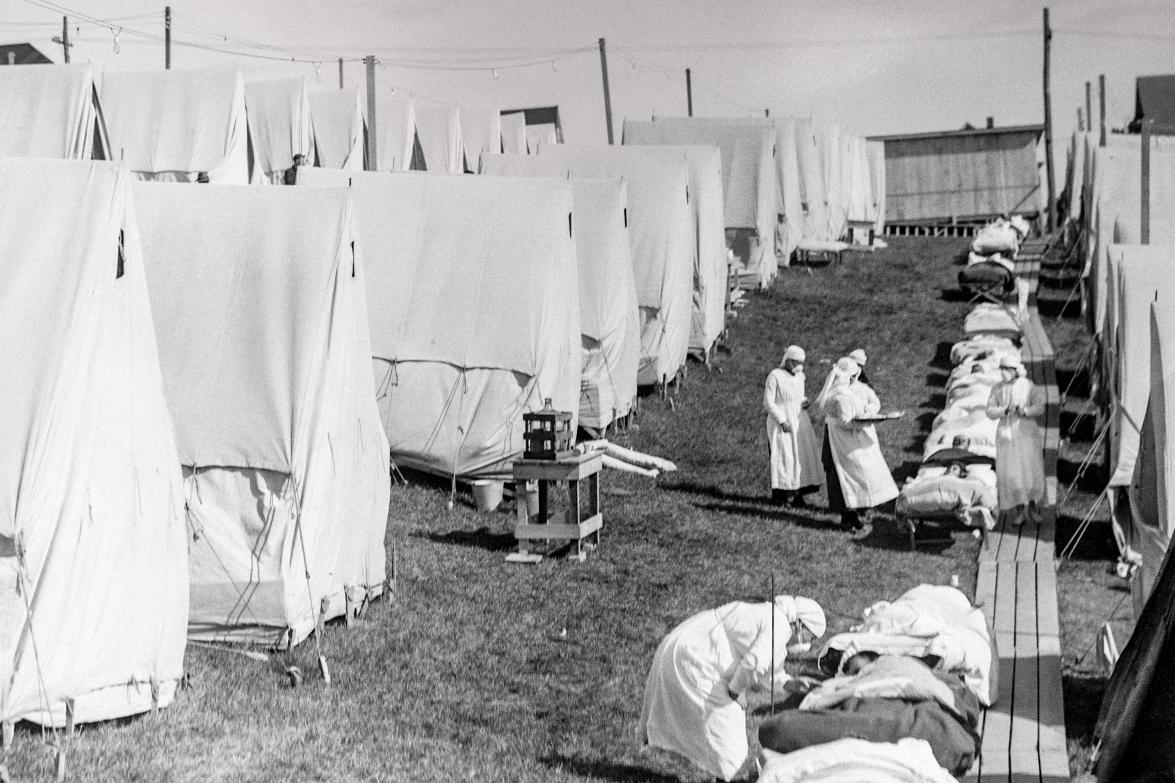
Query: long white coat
[
  {"x": 687, "y": 707},
  {"x": 864, "y": 477},
  {"x": 1019, "y": 461},
  {"x": 795, "y": 453}
]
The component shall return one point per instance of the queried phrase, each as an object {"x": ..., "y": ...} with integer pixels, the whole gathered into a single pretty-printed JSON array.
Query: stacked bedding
[
  {"x": 957, "y": 477},
  {"x": 993, "y": 253}
]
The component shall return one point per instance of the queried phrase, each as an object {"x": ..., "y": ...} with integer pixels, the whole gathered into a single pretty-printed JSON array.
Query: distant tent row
[{"x": 1131, "y": 317}]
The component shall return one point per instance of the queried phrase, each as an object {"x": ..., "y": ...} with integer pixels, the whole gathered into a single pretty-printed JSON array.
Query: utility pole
[
  {"x": 767, "y": 112},
  {"x": 167, "y": 37},
  {"x": 689, "y": 95},
  {"x": 1101, "y": 88},
  {"x": 607, "y": 93},
  {"x": 340, "y": 73},
  {"x": 369, "y": 63},
  {"x": 1088, "y": 108},
  {"x": 63, "y": 39},
  {"x": 1048, "y": 126},
  {"x": 1144, "y": 233}
]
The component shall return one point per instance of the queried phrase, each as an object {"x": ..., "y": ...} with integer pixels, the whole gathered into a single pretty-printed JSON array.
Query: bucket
[{"x": 487, "y": 494}]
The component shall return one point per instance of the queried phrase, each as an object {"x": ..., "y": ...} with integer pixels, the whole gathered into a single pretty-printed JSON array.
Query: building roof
[
  {"x": 21, "y": 54},
  {"x": 1037, "y": 129},
  {"x": 1154, "y": 99}
]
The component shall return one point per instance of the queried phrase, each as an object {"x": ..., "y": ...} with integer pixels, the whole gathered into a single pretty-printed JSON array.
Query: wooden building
[{"x": 966, "y": 176}]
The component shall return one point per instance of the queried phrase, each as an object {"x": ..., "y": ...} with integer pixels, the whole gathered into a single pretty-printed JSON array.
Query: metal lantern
[{"x": 547, "y": 433}]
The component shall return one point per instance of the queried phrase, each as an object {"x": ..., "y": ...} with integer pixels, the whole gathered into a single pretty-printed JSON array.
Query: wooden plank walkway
[{"x": 1024, "y": 732}]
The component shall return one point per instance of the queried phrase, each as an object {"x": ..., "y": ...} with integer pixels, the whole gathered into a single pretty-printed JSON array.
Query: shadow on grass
[
  {"x": 885, "y": 533},
  {"x": 482, "y": 538},
  {"x": 1083, "y": 692},
  {"x": 906, "y": 470},
  {"x": 955, "y": 295},
  {"x": 710, "y": 491},
  {"x": 600, "y": 769},
  {"x": 1092, "y": 480},
  {"x": 772, "y": 513},
  {"x": 937, "y": 380},
  {"x": 942, "y": 357},
  {"x": 1096, "y": 543}
]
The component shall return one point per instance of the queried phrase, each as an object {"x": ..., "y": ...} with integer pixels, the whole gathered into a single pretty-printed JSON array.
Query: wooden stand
[{"x": 583, "y": 517}]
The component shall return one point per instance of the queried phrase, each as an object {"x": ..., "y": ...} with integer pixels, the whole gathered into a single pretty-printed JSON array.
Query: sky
[{"x": 874, "y": 66}]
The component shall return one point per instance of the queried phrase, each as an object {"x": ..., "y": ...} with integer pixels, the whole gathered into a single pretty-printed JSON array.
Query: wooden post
[
  {"x": 607, "y": 92},
  {"x": 1144, "y": 231},
  {"x": 1101, "y": 89},
  {"x": 369, "y": 63},
  {"x": 340, "y": 73},
  {"x": 65, "y": 36},
  {"x": 767, "y": 112},
  {"x": 1088, "y": 108},
  {"x": 167, "y": 37},
  {"x": 1048, "y": 128},
  {"x": 689, "y": 95}
]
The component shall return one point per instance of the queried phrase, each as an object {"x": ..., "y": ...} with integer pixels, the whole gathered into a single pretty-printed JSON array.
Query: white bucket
[{"x": 487, "y": 494}]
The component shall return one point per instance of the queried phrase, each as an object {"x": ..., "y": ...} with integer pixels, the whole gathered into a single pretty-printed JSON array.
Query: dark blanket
[{"x": 953, "y": 738}]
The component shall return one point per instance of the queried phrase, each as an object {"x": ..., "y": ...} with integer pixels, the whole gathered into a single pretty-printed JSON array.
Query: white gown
[
  {"x": 687, "y": 707},
  {"x": 795, "y": 453},
  {"x": 1019, "y": 461},
  {"x": 864, "y": 477}
]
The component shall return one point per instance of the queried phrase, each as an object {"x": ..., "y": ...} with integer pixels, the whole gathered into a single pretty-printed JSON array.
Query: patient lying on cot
[
  {"x": 884, "y": 698},
  {"x": 967, "y": 494}
]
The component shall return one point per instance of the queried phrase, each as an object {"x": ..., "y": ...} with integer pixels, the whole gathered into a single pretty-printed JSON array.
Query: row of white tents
[
  {"x": 1131, "y": 317},
  {"x": 193, "y": 415}
]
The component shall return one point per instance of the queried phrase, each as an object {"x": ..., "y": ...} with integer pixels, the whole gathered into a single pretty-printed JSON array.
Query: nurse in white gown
[
  {"x": 1019, "y": 461},
  {"x": 703, "y": 667},
  {"x": 795, "y": 454}
]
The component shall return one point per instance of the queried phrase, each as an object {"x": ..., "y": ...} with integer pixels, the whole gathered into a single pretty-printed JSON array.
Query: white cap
[
  {"x": 795, "y": 353},
  {"x": 858, "y": 356}
]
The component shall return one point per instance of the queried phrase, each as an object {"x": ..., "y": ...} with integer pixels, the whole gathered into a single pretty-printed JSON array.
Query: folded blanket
[
  {"x": 962, "y": 497},
  {"x": 853, "y": 760},
  {"x": 982, "y": 346},
  {"x": 991, "y": 318},
  {"x": 999, "y": 236}
]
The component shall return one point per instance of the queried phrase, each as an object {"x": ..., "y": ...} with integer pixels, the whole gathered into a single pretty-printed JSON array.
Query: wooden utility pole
[
  {"x": 767, "y": 112},
  {"x": 65, "y": 36},
  {"x": 340, "y": 73},
  {"x": 1048, "y": 127},
  {"x": 1088, "y": 108},
  {"x": 372, "y": 163},
  {"x": 1144, "y": 232},
  {"x": 167, "y": 36},
  {"x": 1101, "y": 89},
  {"x": 689, "y": 95},
  {"x": 607, "y": 93}
]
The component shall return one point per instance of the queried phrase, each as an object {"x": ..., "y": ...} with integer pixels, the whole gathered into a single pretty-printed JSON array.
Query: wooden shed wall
[{"x": 940, "y": 177}]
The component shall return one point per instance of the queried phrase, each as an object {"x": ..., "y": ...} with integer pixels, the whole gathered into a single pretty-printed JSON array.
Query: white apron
[
  {"x": 1019, "y": 462},
  {"x": 687, "y": 708},
  {"x": 864, "y": 477},
  {"x": 795, "y": 455}
]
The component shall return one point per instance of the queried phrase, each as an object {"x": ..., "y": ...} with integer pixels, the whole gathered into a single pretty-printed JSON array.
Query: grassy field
[{"x": 479, "y": 669}]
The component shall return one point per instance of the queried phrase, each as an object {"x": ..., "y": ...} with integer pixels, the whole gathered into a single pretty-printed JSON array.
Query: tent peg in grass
[
  {"x": 771, "y": 598},
  {"x": 322, "y": 667}
]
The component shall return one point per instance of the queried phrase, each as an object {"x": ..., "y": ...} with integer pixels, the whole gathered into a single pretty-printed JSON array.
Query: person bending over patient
[{"x": 703, "y": 667}]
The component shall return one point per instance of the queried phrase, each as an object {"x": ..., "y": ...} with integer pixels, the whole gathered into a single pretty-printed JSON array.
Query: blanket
[{"x": 853, "y": 760}]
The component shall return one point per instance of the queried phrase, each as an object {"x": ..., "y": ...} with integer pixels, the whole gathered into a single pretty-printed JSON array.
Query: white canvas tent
[
  {"x": 812, "y": 188},
  {"x": 174, "y": 125},
  {"x": 93, "y": 551},
  {"x": 875, "y": 154},
  {"x": 279, "y": 127},
  {"x": 474, "y": 312},
  {"x": 749, "y": 179},
  {"x": 339, "y": 128},
  {"x": 51, "y": 111},
  {"x": 259, "y": 302},
  {"x": 608, "y": 311},
  {"x": 663, "y": 245},
  {"x": 836, "y": 206},
  {"x": 438, "y": 129},
  {"x": 1152, "y": 489}
]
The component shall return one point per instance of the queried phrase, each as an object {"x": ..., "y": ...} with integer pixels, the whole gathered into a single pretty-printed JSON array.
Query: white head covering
[
  {"x": 858, "y": 356},
  {"x": 1008, "y": 362},
  {"x": 839, "y": 376},
  {"x": 804, "y": 610},
  {"x": 793, "y": 352}
]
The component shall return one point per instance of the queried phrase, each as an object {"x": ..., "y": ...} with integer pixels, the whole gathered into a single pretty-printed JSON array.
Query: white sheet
[
  {"x": 279, "y": 126},
  {"x": 49, "y": 111},
  {"x": 338, "y": 122}
]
